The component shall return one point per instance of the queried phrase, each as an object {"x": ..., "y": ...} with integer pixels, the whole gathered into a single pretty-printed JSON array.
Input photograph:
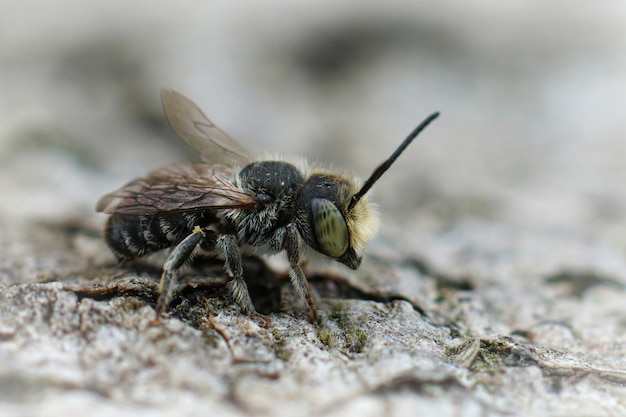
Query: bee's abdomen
[{"x": 133, "y": 236}]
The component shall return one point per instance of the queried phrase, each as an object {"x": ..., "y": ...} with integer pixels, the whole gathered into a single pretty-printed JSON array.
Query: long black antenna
[{"x": 378, "y": 172}]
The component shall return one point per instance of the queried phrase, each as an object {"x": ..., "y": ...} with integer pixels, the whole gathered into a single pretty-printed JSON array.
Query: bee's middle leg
[{"x": 227, "y": 245}]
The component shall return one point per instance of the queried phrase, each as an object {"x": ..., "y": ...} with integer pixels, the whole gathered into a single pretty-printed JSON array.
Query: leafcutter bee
[{"x": 234, "y": 204}]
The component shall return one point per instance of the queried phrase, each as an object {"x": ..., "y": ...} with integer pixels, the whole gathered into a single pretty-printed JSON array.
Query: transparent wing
[
  {"x": 183, "y": 186},
  {"x": 213, "y": 144}
]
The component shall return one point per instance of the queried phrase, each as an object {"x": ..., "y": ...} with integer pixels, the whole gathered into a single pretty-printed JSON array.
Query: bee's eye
[{"x": 330, "y": 227}]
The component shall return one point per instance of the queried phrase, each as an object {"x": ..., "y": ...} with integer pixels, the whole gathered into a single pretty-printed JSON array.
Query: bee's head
[
  {"x": 329, "y": 225},
  {"x": 334, "y": 216}
]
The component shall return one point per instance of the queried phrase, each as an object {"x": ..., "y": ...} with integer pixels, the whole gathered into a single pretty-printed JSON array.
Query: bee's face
[{"x": 327, "y": 224}]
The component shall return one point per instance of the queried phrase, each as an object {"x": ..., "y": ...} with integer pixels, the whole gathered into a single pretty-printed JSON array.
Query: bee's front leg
[
  {"x": 288, "y": 240},
  {"x": 181, "y": 254}
]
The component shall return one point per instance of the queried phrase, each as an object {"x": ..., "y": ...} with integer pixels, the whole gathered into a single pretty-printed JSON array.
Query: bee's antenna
[{"x": 378, "y": 172}]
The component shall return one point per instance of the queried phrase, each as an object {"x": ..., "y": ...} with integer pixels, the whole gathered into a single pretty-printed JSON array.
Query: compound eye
[{"x": 330, "y": 227}]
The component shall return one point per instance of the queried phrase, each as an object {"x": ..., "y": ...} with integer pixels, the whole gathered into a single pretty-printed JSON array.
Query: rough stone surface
[{"x": 498, "y": 282}]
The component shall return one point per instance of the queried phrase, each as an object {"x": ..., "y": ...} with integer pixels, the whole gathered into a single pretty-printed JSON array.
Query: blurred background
[{"x": 532, "y": 96}]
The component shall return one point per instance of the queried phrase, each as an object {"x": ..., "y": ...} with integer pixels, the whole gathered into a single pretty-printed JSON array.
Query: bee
[{"x": 233, "y": 204}]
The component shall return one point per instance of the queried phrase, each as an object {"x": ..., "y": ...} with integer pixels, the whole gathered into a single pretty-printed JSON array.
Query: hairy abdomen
[{"x": 133, "y": 236}]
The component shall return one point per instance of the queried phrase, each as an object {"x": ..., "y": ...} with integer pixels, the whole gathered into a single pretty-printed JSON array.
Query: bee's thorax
[{"x": 279, "y": 182}]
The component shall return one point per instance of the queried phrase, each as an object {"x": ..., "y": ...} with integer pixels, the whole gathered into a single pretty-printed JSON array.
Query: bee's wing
[
  {"x": 183, "y": 186},
  {"x": 190, "y": 124}
]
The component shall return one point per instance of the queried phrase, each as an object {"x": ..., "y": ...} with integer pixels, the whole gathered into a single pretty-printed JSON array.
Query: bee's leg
[
  {"x": 291, "y": 244},
  {"x": 233, "y": 264},
  {"x": 174, "y": 262}
]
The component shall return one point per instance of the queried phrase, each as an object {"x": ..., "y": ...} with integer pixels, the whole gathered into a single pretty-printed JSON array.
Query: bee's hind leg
[{"x": 181, "y": 254}]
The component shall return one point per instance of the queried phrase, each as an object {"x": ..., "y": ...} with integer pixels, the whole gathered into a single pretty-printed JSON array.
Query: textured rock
[{"x": 497, "y": 285}]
